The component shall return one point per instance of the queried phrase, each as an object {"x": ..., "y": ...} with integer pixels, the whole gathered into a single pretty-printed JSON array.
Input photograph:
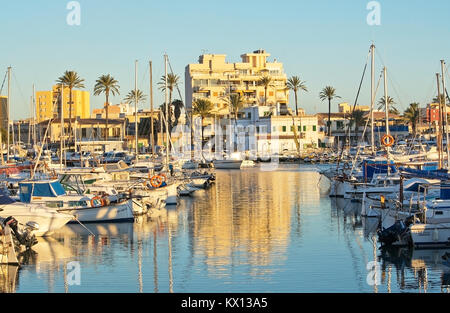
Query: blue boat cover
[
  {"x": 372, "y": 167},
  {"x": 40, "y": 189}
]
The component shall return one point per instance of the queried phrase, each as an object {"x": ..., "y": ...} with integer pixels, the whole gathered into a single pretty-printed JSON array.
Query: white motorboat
[
  {"x": 430, "y": 235},
  {"x": 49, "y": 220},
  {"x": 227, "y": 164},
  {"x": 84, "y": 207}
]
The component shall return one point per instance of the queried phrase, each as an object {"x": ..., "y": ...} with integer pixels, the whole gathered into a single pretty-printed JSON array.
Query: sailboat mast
[
  {"x": 167, "y": 110},
  {"x": 135, "y": 108},
  {"x": 8, "y": 109},
  {"x": 33, "y": 112},
  {"x": 61, "y": 141},
  {"x": 445, "y": 111},
  {"x": 386, "y": 101},
  {"x": 152, "y": 137},
  {"x": 372, "y": 97},
  {"x": 438, "y": 133},
  {"x": 30, "y": 121}
]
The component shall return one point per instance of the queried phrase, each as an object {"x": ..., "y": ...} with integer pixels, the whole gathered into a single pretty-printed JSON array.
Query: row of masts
[
  {"x": 443, "y": 122},
  {"x": 32, "y": 128}
]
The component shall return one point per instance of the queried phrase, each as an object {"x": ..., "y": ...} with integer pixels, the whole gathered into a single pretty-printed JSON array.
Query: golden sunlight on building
[
  {"x": 213, "y": 78},
  {"x": 48, "y": 104}
]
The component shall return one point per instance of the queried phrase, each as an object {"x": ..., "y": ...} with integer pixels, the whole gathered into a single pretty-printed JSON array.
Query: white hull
[
  {"x": 431, "y": 235},
  {"x": 122, "y": 212},
  {"x": 228, "y": 164},
  {"x": 49, "y": 220}
]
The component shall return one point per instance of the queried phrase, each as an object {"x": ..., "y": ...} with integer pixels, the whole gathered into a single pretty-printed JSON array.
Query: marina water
[{"x": 253, "y": 231}]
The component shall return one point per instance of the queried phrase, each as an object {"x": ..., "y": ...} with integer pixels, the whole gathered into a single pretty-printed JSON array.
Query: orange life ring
[
  {"x": 387, "y": 141},
  {"x": 156, "y": 181},
  {"x": 163, "y": 176},
  {"x": 93, "y": 202}
]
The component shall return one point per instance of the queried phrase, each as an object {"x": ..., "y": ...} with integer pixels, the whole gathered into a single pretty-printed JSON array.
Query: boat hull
[{"x": 122, "y": 212}]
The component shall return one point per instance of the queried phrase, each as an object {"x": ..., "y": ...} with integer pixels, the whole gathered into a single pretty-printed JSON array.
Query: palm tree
[
  {"x": 391, "y": 102},
  {"x": 236, "y": 103},
  {"x": 71, "y": 80},
  {"x": 265, "y": 81},
  {"x": 202, "y": 107},
  {"x": 357, "y": 119},
  {"x": 177, "y": 107},
  {"x": 412, "y": 115},
  {"x": 131, "y": 97},
  {"x": 328, "y": 93},
  {"x": 439, "y": 99},
  {"x": 172, "y": 82},
  {"x": 106, "y": 84},
  {"x": 294, "y": 83}
]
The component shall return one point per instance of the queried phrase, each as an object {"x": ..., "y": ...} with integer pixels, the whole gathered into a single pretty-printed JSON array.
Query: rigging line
[
  {"x": 430, "y": 91},
  {"x": 20, "y": 89},
  {"x": 365, "y": 127},
  {"x": 3, "y": 83},
  {"x": 178, "y": 89},
  {"x": 354, "y": 105}
]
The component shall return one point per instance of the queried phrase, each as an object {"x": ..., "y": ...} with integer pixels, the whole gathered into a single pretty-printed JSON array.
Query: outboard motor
[
  {"x": 26, "y": 237},
  {"x": 392, "y": 234}
]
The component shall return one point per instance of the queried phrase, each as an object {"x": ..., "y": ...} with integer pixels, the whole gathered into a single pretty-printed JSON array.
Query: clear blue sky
[{"x": 324, "y": 41}]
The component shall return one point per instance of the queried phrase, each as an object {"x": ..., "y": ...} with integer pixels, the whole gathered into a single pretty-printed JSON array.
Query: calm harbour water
[{"x": 253, "y": 231}]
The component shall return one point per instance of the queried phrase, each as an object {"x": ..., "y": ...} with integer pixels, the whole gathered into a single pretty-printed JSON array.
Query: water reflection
[
  {"x": 246, "y": 219},
  {"x": 254, "y": 231}
]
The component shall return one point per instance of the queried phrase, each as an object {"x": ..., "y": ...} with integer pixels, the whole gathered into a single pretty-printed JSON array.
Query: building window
[
  {"x": 284, "y": 129},
  {"x": 249, "y": 115},
  {"x": 299, "y": 128},
  {"x": 83, "y": 133},
  {"x": 314, "y": 128},
  {"x": 304, "y": 128},
  {"x": 274, "y": 129}
]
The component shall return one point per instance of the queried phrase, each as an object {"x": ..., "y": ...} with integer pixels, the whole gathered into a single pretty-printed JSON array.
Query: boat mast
[
  {"x": 61, "y": 141},
  {"x": 372, "y": 96},
  {"x": 135, "y": 108},
  {"x": 386, "y": 108},
  {"x": 29, "y": 122},
  {"x": 438, "y": 133},
  {"x": 34, "y": 116},
  {"x": 445, "y": 111},
  {"x": 152, "y": 137},
  {"x": 167, "y": 110},
  {"x": 8, "y": 105}
]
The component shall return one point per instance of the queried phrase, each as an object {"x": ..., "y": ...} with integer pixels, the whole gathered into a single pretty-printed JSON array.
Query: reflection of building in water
[{"x": 246, "y": 218}]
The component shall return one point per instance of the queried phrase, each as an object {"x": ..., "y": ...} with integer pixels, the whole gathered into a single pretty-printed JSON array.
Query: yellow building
[
  {"x": 4, "y": 112},
  {"x": 213, "y": 78},
  {"x": 48, "y": 104},
  {"x": 346, "y": 108}
]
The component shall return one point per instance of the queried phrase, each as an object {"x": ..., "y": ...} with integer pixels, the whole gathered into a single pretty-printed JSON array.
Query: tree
[
  {"x": 294, "y": 83},
  {"x": 266, "y": 82},
  {"x": 172, "y": 82},
  {"x": 106, "y": 84},
  {"x": 71, "y": 80},
  {"x": 391, "y": 102},
  {"x": 357, "y": 119},
  {"x": 202, "y": 108},
  {"x": 177, "y": 107},
  {"x": 412, "y": 115},
  {"x": 439, "y": 99},
  {"x": 236, "y": 103},
  {"x": 328, "y": 93},
  {"x": 131, "y": 97}
]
